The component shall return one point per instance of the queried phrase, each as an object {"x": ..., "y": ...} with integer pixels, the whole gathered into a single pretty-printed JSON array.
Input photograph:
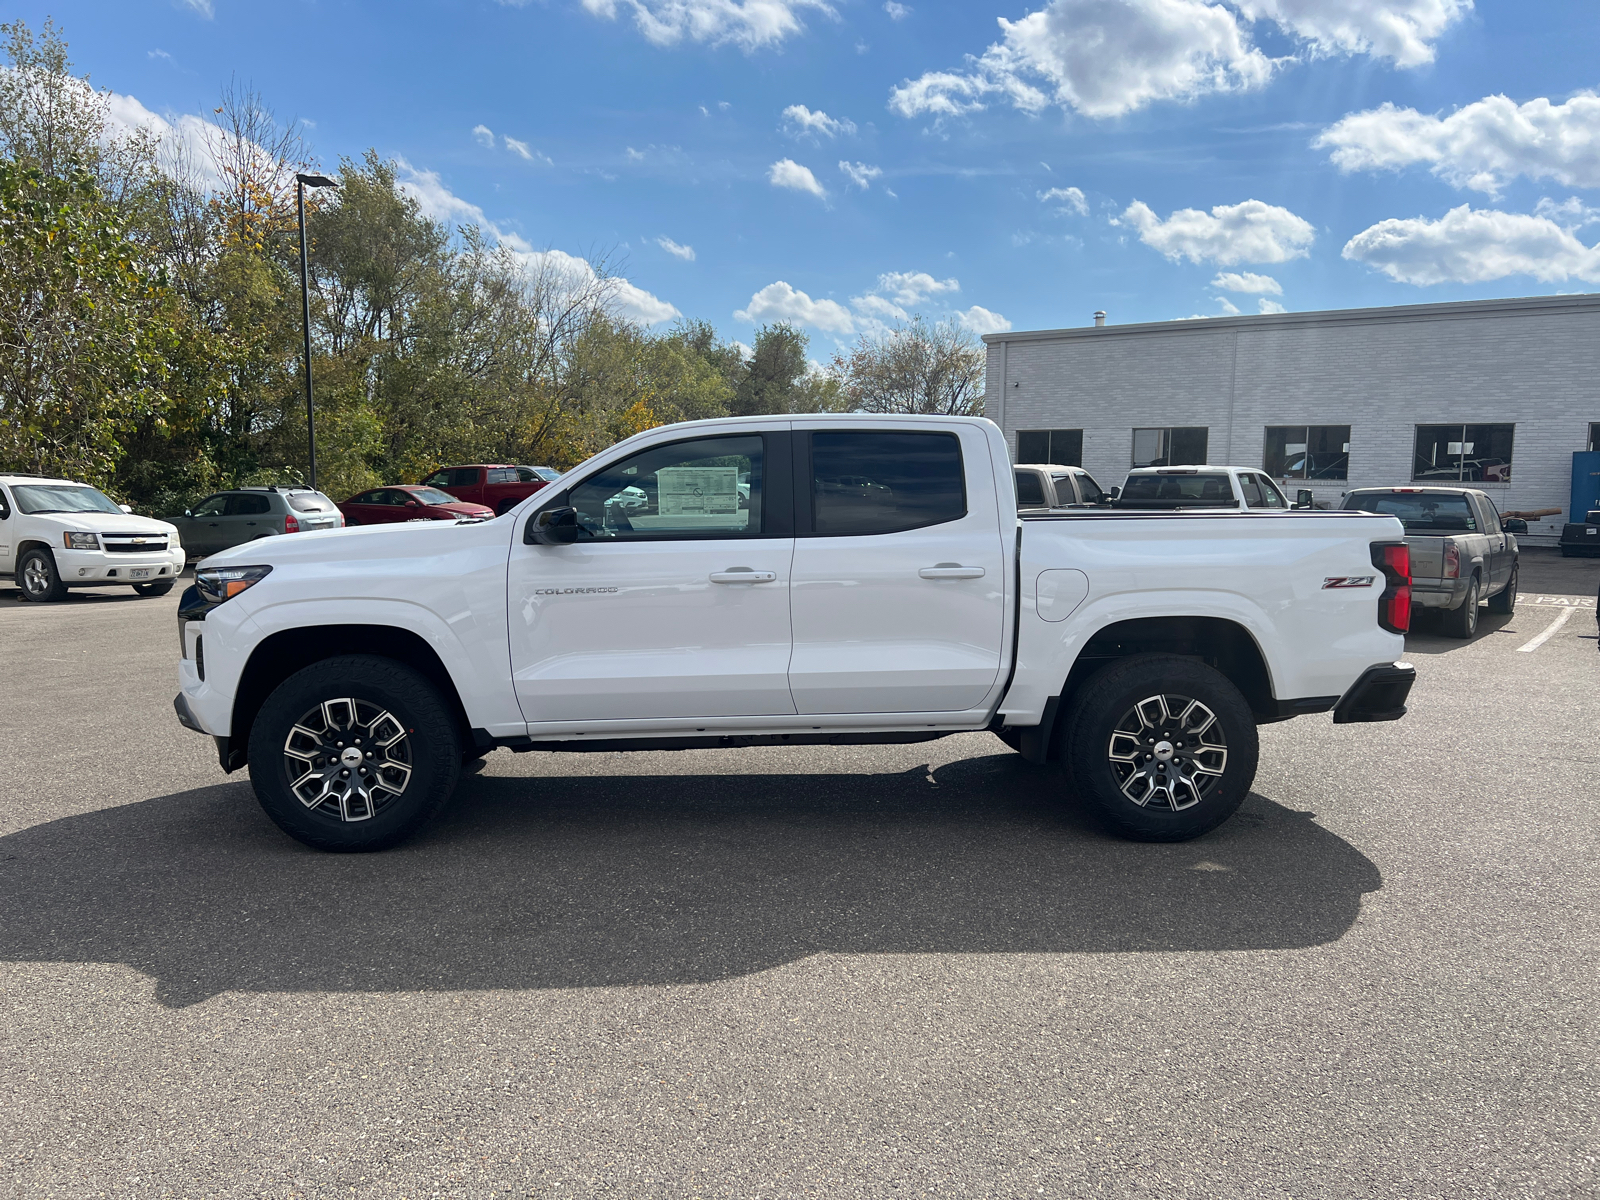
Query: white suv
[{"x": 56, "y": 534}]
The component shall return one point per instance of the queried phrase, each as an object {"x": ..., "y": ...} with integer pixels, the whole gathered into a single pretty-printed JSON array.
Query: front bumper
[
  {"x": 96, "y": 566},
  {"x": 1379, "y": 695}
]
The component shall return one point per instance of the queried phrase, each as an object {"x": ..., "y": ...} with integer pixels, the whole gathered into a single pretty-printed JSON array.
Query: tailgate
[{"x": 1427, "y": 557}]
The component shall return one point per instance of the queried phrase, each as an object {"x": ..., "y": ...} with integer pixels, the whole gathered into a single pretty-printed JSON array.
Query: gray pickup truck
[
  {"x": 1462, "y": 552},
  {"x": 1045, "y": 486}
]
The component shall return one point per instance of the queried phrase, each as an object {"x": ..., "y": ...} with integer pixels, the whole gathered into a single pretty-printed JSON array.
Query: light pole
[{"x": 301, "y": 182}]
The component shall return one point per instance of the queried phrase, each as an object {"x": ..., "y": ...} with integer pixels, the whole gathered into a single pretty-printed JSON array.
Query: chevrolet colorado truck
[{"x": 788, "y": 581}]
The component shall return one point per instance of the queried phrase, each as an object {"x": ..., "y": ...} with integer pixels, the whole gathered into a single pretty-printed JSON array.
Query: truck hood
[
  {"x": 99, "y": 522},
  {"x": 353, "y": 544}
]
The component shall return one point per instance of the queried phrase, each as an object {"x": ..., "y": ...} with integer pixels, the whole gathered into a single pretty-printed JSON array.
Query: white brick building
[{"x": 1496, "y": 392}]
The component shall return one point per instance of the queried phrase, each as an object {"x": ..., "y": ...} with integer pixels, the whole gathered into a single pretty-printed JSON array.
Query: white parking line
[{"x": 1534, "y": 643}]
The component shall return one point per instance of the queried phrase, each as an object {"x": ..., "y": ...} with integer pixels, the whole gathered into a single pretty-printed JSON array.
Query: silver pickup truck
[{"x": 1462, "y": 551}]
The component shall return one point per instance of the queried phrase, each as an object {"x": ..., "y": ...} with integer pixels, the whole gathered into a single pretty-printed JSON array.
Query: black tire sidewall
[
  {"x": 57, "y": 591},
  {"x": 1102, "y": 701},
  {"x": 435, "y": 748},
  {"x": 156, "y": 587}
]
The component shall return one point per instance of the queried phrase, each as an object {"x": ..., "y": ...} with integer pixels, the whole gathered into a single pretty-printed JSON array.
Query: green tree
[{"x": 915, "y": 368}]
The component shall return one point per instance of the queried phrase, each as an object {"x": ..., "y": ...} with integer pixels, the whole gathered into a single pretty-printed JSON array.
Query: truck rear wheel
[
  {"x": 1162, "y": 748},
  {"x": 1505, "y": 600},
  {"x": 354, "y": 753},
  {"x": 1463, "y": 622}
]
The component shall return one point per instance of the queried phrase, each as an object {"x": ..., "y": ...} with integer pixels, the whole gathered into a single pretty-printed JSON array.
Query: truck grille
[{"x": 133, "y": 543}]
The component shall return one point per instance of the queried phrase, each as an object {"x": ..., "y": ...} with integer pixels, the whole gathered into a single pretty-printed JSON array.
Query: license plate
[{"x": 140, "y": 573}]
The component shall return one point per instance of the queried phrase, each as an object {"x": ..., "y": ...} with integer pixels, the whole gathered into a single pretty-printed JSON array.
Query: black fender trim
[{"x": 1379, "y": 695}]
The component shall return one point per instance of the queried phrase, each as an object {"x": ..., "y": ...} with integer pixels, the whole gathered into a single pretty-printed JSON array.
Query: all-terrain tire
[
  {"x": 1505, "y": 600},
  {"x": 1463, "y": 622},
  {"x": 1161, "y": 748},
  {"x": 38, "y": 577},
  {"x": 383, "y": 725}
]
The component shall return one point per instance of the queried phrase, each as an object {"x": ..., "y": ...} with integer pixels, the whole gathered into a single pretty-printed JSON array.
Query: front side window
[
  {"x": 1463, "y": 453},
  {"x": 1053, "y": 447},
  {"x": 1090, "y": 489},
  {"x": 62, "y": 498},
  {"x": 879, "y": 482},
  {"x": 1307, "y": 452},
  {"x": 1271, "y": 497},
  {"x": 212, "y": 506},
  {"x": 1252, "y": 491},
  {"x": 705, "y": 488},
  {"x": 1177, "y": 446},
  {"x": 438, "y": 479}
]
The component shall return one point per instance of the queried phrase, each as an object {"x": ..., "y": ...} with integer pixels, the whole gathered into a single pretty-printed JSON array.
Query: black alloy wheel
[
  {"x": 354, "y": 753},
  {"x": 1504, "y": 601},
  {"x": 1162, "y": 748},
  {"x": 38, "y": 578}
]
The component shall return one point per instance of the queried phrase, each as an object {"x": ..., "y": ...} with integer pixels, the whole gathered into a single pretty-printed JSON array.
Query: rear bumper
[
  {"x": 1438, "y": 593},
  {"x": 1379, "y": 695}
]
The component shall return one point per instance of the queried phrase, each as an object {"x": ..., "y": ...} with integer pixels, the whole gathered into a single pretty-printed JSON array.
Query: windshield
[
  {"x": 1213, "y": 489},
  {"x": 62, "y": 497},
  {"x": 431, "y": 496},
  {"x": 547, "y": 474},
  {"x": 1420, "y": 514}
]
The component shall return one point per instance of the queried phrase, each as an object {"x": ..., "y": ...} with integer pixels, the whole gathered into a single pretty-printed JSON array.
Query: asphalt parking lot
[{"x": 878, "y": 971}]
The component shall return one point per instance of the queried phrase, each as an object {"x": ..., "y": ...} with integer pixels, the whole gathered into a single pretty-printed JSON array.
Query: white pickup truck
[{"x": 783, "y": 581}]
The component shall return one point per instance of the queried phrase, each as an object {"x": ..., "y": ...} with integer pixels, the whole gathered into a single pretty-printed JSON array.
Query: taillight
[
  {"x": 291, "y": 524},
  {"x": 1452, "y": 562},
  {"x": 1394, "y": 606}
]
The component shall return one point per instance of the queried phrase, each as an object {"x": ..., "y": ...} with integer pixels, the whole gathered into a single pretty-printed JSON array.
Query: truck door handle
[
  {"x": 951, "y": 571},
  {"x": 743, "y": 575}
]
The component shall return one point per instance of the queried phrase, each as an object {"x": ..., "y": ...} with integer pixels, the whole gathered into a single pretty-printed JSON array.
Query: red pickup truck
[{"x": 498, "y": 486}]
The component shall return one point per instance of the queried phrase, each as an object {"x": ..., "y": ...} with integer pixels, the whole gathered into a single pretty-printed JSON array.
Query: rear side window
[
  {"x": 1030, "y": 490},
  {"x": 248, "y": 506},
  {"x": 1252, "y": 491},
  {"x": 309, "y": 502},
  {"x": 501, "y": 475},
  {"x": 880, "y": 482}
]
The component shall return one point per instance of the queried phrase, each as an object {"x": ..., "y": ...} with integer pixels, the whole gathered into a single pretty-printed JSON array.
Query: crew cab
[
  {"x": 1045, "y": 486},
  {"x": 499, "y": 487},
  {"x": 787, "y": 581},
  {"x": 57, "y": 534},
  {"x": 1462, "y": 552}
]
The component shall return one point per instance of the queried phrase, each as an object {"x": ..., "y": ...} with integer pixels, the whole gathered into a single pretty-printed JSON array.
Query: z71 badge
[{"x": 1348, "y": 581}]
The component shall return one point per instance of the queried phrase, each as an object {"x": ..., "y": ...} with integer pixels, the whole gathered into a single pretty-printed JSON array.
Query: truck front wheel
[
  {"x": 1162, "y": 748},
  {"x": 354, "y": 753}
]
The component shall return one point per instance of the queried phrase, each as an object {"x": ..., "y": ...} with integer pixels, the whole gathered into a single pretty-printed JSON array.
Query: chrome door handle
[
  {"x": 951, "y": 571},
  {"x": 743, "y": 575}
]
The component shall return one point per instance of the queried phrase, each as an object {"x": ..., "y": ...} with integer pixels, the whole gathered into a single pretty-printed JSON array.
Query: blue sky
[{"x": 840, "y": 164}]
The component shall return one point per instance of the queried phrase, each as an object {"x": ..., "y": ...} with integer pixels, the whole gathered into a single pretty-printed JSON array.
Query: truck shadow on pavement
[{"x": 594, "y": 881}]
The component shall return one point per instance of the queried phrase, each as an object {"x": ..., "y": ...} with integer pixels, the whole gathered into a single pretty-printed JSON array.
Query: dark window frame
[
  {"x": 1072, "y": 458},
  {"x": 1306, "y": 438},
  {"x": 1168, "y": 432},
  {"x": 1594, "y": 436},
  {"x": 1483, "y": 430}
]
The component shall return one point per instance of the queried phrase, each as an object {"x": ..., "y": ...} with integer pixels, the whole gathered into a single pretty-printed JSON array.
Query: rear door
[
  {"x": 674, "y": 602},
  {"x": 898, "y": 595}
]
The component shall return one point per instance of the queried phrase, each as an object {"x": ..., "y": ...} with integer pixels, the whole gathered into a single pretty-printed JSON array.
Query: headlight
[
  {"x": 80, "y": 541},
  {"x": 217, "y": 584},
  {"x": 173, "y": 541}
]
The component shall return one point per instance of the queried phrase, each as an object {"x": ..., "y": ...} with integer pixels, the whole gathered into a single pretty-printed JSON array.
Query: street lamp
[{"x": 301, "y": 182}]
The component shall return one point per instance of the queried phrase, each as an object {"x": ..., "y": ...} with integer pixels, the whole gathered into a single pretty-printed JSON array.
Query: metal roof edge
[{"x": 1447, "y": 311}]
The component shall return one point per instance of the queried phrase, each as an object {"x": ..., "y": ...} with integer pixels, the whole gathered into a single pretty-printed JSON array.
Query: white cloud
[
  {"x": 1102, "y": 58},
  {"x": 981, "y": 321},
  {"x": 484, "y": 136},
  {"x": 1255, "y": 285},
  {"x": 436, "y": 200},
  {"x": 896, "y": 11},
  {"x": 780, "y": 302},
  {"x": 1068, "y": 198},
  {"x": 525, "y": 151},
  {"x": 748, "y": 24},
  {"x": 860, "y": 173},
  {"x": 786, "y": 173},
  {"x": 800, "y": 121},
  {"x": 1228, "y": 307},
  {"x": 1474, "y": 246},
  {"x": 673, "y": 248},
  {"x": 912, "y": 287},
  {"x": 1571, "y": 213},
  {"x": 203, "y": 7},
  {"x": 1230, "y": 233},
  {"x": 1269, "y": 306},
  {"x": 879, "y": 307},
  {"x": 1400, "y": 30},
  {"x": 1482, "y": 146}
]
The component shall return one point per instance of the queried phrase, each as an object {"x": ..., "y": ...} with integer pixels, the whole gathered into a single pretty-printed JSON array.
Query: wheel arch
[{"x": 281, "y": 654}]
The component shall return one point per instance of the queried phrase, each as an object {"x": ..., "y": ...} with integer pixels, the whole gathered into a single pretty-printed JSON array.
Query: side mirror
[
  {"x": 189, "y": 512},
  {"x": 127, "y": 508},
  {"x": 552, "y": 527},
  {"x": 1304, "y": 499},
  {"x": 413, "y": 503},
  {"x": 1114, "y": 493},
  {"x": 1514, "y": 525}
]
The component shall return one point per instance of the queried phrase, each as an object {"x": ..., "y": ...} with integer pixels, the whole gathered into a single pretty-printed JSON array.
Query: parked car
[
  {"x": 409, "y": 502},
  {"x": 57, "y": 534},
  {"x": 1462, "y": 552},
  {"x": 1045, "y": 486},
  {"x": 1199, "y": 487},
  {"x": 1581, "y": 540},
  {"x": 354, "y": 674},
  {"x": 246, "y": 514},
  {"x": 498, "y": 487}
]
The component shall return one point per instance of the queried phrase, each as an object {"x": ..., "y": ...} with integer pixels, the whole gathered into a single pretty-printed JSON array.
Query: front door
[
  {"x": 899, "y": 572},
  {"x": 202, "y": 530},
  {"x": 674, "y": 602}
]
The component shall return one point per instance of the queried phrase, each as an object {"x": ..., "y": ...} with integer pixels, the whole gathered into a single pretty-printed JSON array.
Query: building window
[
  {"x": 1307, "y": 452},
  {"x": 1594, "y": 435},
  {"x": 1175, "y": 447},
  {"x": 1063, "y": 447},
  {"x": 1463, "y": 453}
]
